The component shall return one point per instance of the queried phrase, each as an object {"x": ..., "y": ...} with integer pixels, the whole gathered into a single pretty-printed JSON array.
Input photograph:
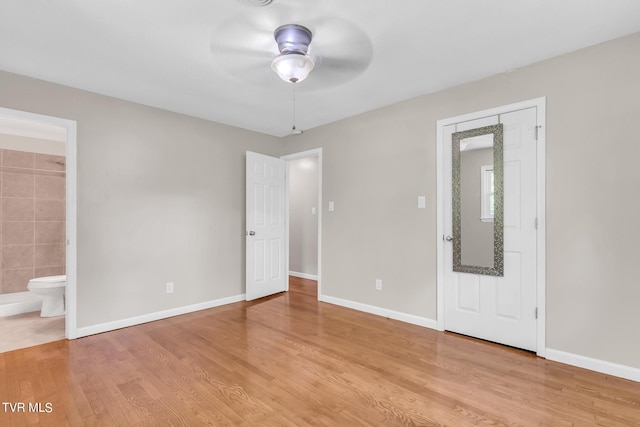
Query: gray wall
[
  {"x": 303, "y": 224},
  {"x": 160, "y": 198},
  {"x": 593, "y": 102}
]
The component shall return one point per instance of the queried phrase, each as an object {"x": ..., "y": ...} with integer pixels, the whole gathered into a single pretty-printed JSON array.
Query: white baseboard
[
  {"x": 138, "y": 320},
  {"x": 303, "y": 275},
  {"x": 597, "y": 365},
  {"x": 379, "y": 311}
]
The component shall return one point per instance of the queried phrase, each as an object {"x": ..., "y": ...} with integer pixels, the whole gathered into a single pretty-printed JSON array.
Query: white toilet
[{"x": 52, "y": 288}]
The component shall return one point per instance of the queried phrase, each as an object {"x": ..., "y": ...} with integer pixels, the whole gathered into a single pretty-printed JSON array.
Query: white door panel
[
  {"x": 500, "y": 309},
  {"x": 265, "y": 222},
  {"x": 468, "y": 294}
]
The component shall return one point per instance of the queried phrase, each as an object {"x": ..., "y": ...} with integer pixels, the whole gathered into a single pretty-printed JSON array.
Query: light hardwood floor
[{"x": 289, "y": 360}]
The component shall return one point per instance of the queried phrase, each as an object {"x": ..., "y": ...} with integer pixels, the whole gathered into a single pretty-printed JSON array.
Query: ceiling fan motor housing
[{"x": 293, "y": 38}]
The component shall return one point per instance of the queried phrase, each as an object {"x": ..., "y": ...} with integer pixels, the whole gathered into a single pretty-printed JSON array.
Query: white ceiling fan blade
[
  {"x": 342, "y": 51},
  {"x": 242, "y": 49}
]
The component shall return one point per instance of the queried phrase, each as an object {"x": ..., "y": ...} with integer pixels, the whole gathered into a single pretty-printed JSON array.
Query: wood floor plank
[{"x": 289, "y": 360}]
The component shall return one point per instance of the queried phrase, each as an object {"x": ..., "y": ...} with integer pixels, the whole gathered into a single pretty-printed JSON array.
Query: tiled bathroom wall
[{"x": 32, "y": 218}]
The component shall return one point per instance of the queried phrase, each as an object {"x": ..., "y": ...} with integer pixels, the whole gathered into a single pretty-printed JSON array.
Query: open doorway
[
  {"x": 38, "y": 223},
  {"x": 304, "y": 207}
]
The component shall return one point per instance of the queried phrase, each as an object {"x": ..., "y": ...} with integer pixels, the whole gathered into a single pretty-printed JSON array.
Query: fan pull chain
[{"x": 294, "y": 131}]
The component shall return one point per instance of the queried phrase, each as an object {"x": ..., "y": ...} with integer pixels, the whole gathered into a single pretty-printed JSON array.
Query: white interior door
[
  {"x": 499, "y": 309},
  {"x": 266, "y": 228}
]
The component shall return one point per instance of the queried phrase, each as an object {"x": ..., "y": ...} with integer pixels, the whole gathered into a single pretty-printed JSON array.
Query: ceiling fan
[
  {"x": 287, "y": 38},
  {"x": 292, "y": 39}
]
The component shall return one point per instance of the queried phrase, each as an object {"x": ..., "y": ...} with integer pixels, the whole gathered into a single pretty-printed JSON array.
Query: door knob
[
  {"x": 448, "y": 238},
  {"x": 251, "y": 233}
]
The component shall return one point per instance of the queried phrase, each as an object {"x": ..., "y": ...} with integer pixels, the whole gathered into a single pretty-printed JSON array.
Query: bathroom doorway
[
  {"x": 304, "y": 212},
  {"x": 37, "y": 224}
]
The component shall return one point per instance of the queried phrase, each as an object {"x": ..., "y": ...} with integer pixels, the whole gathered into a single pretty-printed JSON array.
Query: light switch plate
[
  {"x": 331, "y": 207},
  {"x": 422, "y": 202}
]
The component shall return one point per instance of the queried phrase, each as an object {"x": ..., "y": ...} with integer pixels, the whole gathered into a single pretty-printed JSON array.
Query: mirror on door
[{"x": 477, "y": 205}]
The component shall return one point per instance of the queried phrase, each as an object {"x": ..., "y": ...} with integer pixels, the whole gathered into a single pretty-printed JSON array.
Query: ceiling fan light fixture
[
  {"x": 293, "y": 64},
  {"x": 292, "y": 67}
]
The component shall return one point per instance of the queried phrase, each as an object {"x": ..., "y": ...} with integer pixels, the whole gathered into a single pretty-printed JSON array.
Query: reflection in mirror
[{"x": 477, "y": 201}]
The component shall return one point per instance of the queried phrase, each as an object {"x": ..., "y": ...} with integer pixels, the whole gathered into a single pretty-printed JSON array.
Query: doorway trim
[
  {"x": 540, "y": 104},
  {"x": 317, "y": 152},
  {"x": 71, "y": 207}
]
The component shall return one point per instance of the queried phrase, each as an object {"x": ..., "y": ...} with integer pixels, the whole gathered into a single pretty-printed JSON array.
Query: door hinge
[
  {"x": 536, "y": 131},
  {"x": 536, "y": 312}
]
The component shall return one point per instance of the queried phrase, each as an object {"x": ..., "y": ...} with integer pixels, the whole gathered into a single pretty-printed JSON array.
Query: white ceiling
[{"x": 211, "y": 58}]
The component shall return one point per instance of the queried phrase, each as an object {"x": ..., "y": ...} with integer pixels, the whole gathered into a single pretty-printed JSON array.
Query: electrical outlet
[
  {"x": 169, "y": 287},
  {"x": 378, "y": 285}
]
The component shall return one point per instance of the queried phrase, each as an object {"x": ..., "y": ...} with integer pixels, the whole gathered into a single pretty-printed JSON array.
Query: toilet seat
[{"x": 41, "y": 281}]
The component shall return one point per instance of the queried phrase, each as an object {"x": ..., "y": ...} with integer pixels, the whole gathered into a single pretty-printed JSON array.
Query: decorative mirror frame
[{"x": 498, "y": 218}]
